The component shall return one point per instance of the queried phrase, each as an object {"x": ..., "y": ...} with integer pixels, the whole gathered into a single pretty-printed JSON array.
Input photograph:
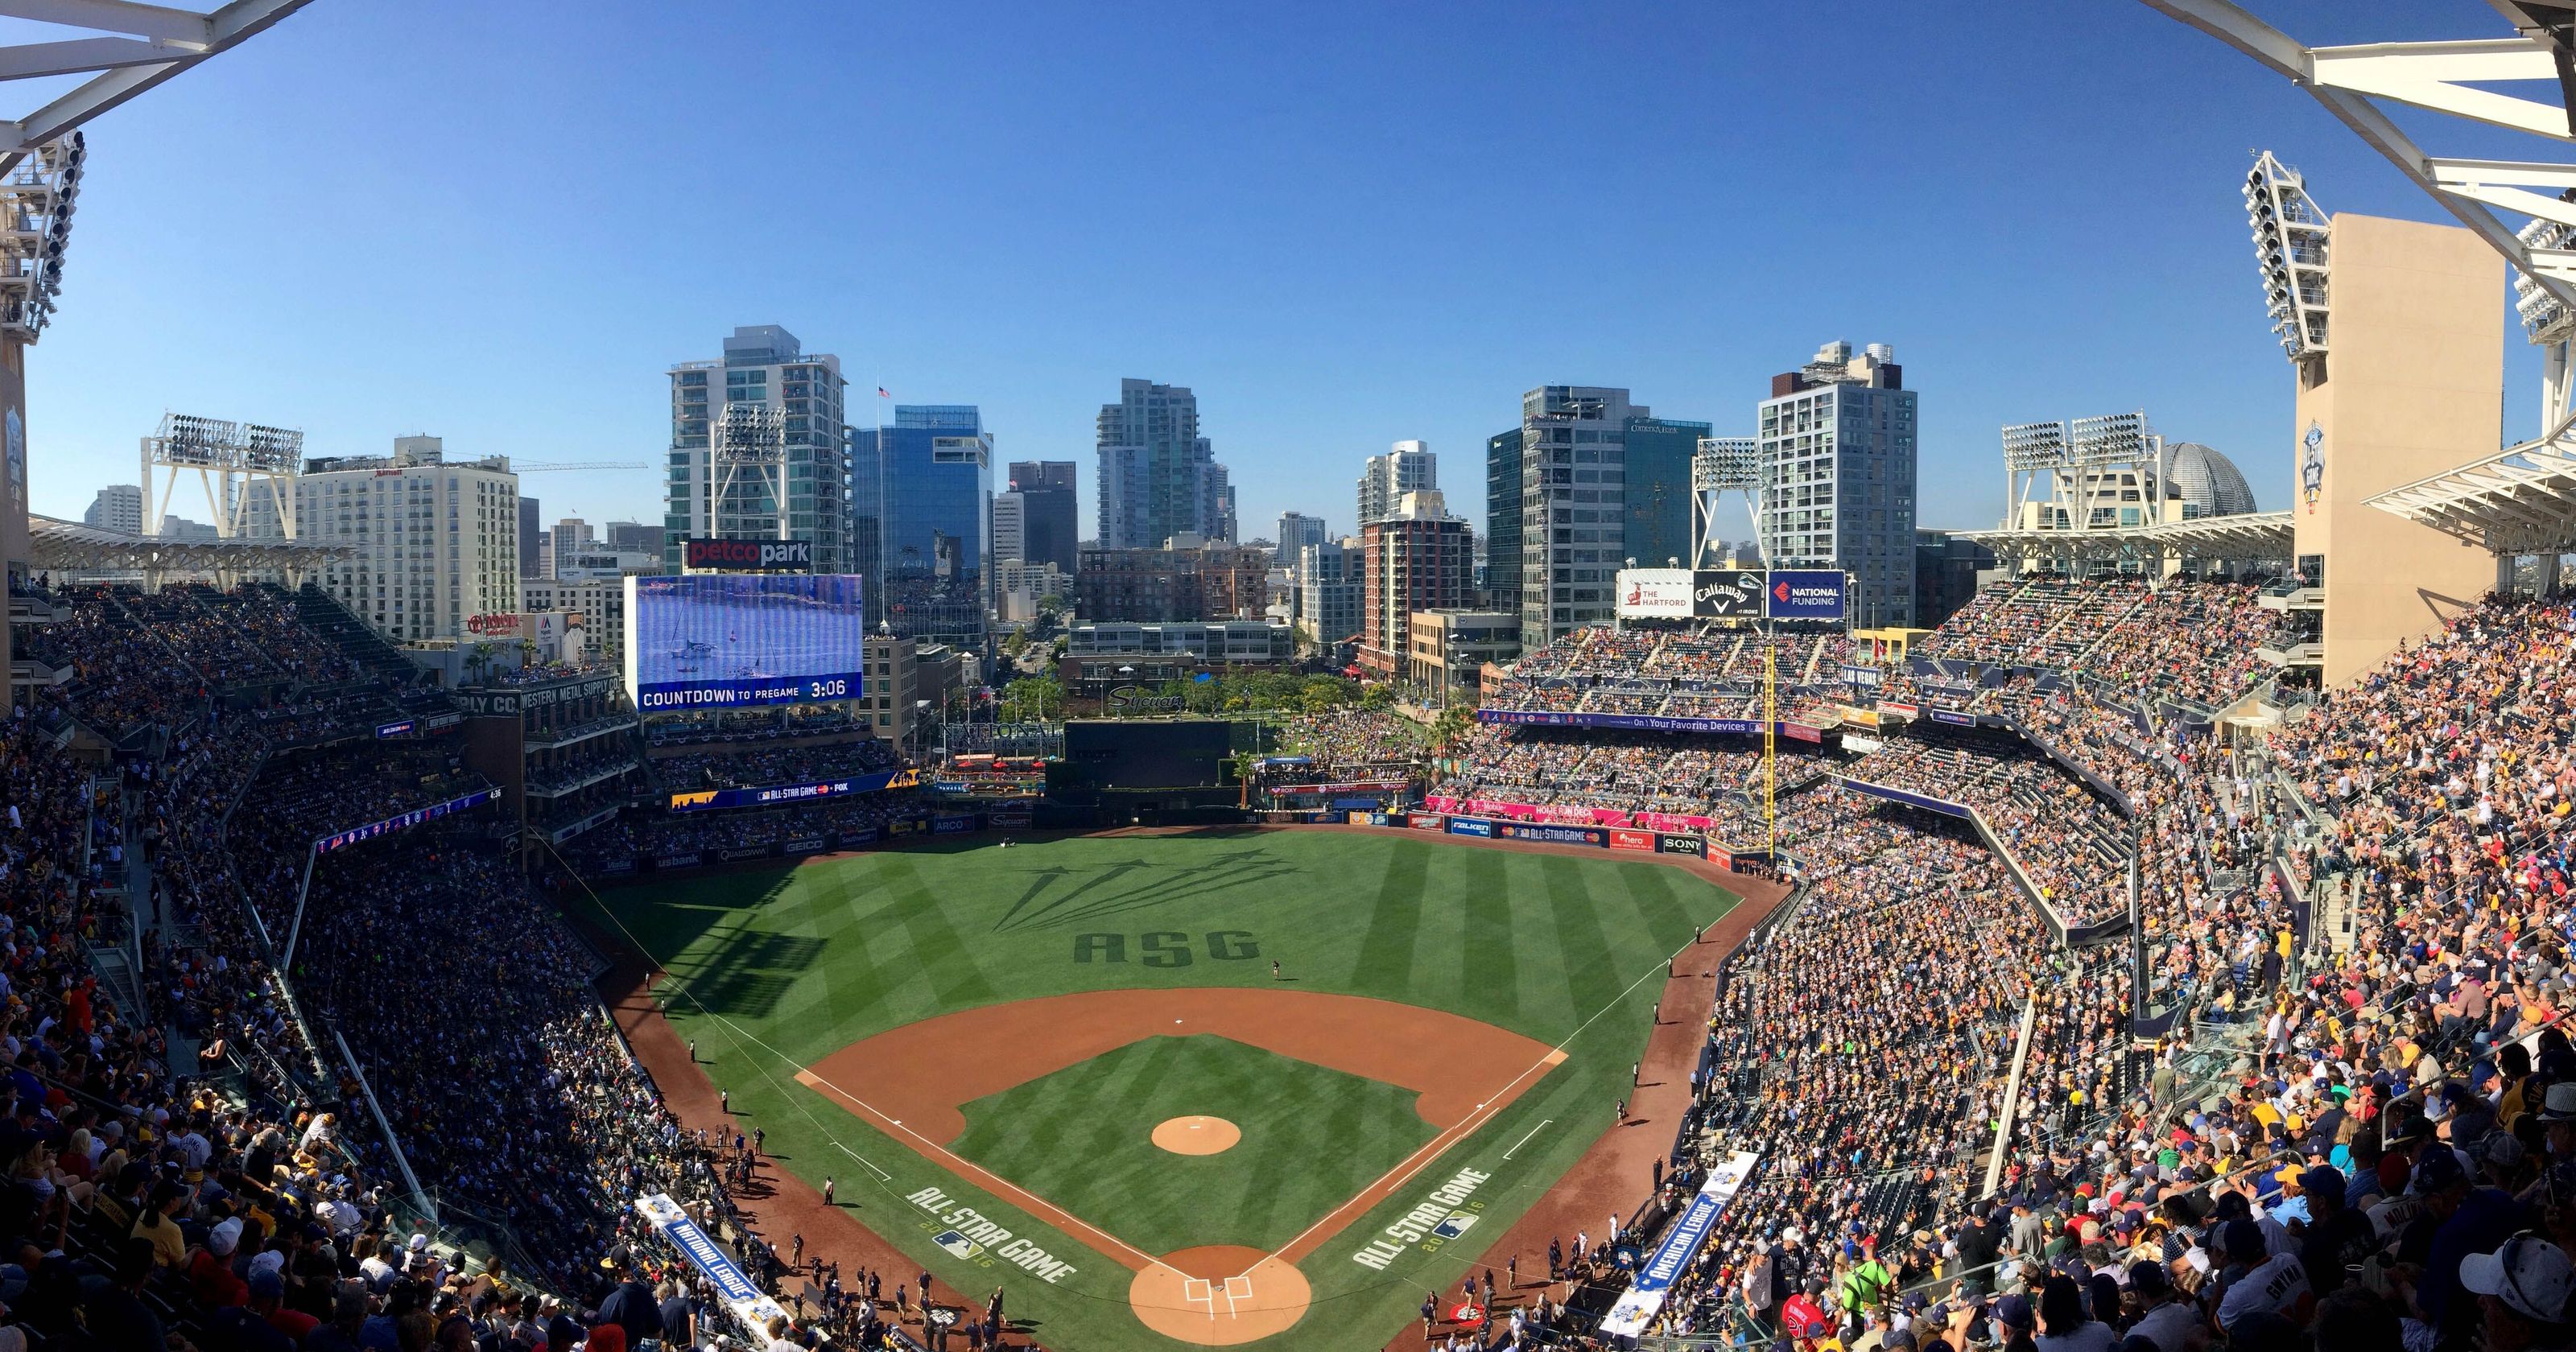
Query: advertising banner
[
  {"x": 403, "y": 821},
  {"x": 1542, "y": 834},
  {"x": 1805, "y": 594},
  {"x": 682, "y": 859},
  {"x": 1853, "y": 741},
  {"x": 731, "y": 853},
  {"x": 1729, "y": 593},
  {"x": 1551, "y": 718},
  {"x": 403, "y": 728},
  {"x": 732, "y": 1286},
  {"x": 857, "y": 836},
  {"x": 1695, "y": 846},
  {"x": 1428, "y": 821},
  {"x": 949, "y": 826},
  {"x": 1630, "y": 1314},
  {"x": 1953, "y": 718},
  {"x": 705, "y": 800},
  {"x": 1866, "y": 677},
  {"x": 1888, "y": 707},
  {"x": 1632, "y": 840},
  {"x": 1014, "y": 818},
  {"x": 802, "y": 845},
  {"x": 701, "y": 554},
  {"x": 1343, "y": 786},
  {"x": 615, "y": 866},
  {"x": 1655, "y": 593},
  {"x": 1724, "y": 859},
  {"x": 1800, "y": 732},
  {"x": 1470, "y": 826}
]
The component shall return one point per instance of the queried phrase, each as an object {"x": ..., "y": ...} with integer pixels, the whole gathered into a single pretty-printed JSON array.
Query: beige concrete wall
[{"x": 2413, "y": 384}]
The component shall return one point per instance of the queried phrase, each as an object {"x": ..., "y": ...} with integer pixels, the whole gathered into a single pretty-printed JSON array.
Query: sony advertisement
[
  {"x": 1655, "y": 593},
  {"x": 734, "y": 640}
]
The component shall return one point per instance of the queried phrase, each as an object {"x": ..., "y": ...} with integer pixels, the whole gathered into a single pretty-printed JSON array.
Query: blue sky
[{"x": 1341, "y": 224}]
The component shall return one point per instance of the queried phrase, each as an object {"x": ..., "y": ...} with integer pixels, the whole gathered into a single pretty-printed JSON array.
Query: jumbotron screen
[{"x": 730, "y": 640}]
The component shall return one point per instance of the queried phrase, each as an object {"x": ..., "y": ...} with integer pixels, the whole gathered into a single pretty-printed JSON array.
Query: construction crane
[{"x": 545, "y": 467}]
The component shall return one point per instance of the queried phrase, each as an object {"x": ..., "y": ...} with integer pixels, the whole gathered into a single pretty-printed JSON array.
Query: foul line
[
  {"x": 1516, "y": 1145},
  {"x": 994, "y": 1183},
  {"x": 1432, "y": 1149}
]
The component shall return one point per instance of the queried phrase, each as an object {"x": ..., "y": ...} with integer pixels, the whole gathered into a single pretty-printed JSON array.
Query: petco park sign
[{"x": 749, "y": 556}]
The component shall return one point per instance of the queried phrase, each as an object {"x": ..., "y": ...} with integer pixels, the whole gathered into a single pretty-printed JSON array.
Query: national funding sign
[{"x": 1755, "y": 593}]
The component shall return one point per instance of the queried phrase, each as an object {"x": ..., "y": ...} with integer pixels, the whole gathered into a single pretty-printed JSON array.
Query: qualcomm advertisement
[
  {"x": 343, "y": 839},
  {"x": 1654, "y": 1284},
  {"x": 730, "y": 640},
  {"x": 1805, "y": 594}
]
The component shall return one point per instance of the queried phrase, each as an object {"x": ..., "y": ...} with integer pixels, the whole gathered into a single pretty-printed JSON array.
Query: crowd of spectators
[{"x": 752, "y": 768}]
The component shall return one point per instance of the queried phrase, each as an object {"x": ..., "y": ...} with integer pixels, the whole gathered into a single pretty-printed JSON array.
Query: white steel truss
[
  {"x": 150, "y": 44},
  {"x": 750, "y": 442},
  {"x": 2444, "y": 77},
  {"x": 2520, "y": 500},
  {"x": 2073, "y": 462}
]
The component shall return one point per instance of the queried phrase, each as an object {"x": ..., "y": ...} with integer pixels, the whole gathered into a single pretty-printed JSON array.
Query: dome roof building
[{"x": 2208, "y": 482}]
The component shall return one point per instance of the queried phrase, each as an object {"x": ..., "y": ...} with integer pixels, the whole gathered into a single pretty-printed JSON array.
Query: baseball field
[{"x": 1070, "y": 1067}]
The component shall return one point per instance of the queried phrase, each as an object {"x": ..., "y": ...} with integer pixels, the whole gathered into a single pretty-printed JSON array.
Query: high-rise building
[
  {"x": 1216, "y": 515},
  {"x": 1502, "y": 538},
  {"x": 1296, "y": 531},
  {"x": 934, "y": 471},
  {"x": 118, "y": 507},
  {"x": 436, "y": 540},
  {"x": 532, "y": 541},
  {"x": 1573, "y": 505},
  {"x": 573, "y": 536},
  {"x": 1052, "y": 532},
  {"x": 1011, "y": 526},
  {"x": 1191, "y": 581},
  {"x": 1327, "y": 616},
  {"x": 632, "y": 537},
  {"x": 1408, "y": 467},
  {"x": 1415, "y": 557},
  {"x": 1155, "y": 480},
  {"x": 1659, "y": 489},
  {"x": 785, "y": 405},
  {"x": 1837, "y": 451}
]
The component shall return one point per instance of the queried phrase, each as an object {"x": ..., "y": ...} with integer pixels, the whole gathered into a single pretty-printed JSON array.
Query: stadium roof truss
[
  {"x": 2520, "y": 500},
  {"x": 152, "y": 44},
  {"x": 2252, "y": 537},
  {"x": 68, "y": 546},
  {"x": 2447, "y": 77}
]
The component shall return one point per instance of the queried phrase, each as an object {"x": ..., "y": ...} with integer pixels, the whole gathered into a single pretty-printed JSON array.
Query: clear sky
[{"x": 1341, "y": 224}]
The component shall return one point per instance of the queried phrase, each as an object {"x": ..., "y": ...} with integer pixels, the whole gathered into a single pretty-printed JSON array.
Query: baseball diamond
[{"x": 980, "y": 1047}]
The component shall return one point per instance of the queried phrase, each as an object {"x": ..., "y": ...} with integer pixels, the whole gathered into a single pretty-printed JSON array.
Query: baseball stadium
[{"x": 2144, "y": 924}]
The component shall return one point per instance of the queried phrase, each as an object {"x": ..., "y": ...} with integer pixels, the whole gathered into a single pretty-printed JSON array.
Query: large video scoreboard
[{"x": 733, "y": 640}]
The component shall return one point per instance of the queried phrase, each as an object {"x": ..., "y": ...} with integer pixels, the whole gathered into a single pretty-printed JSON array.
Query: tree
[
  {"x": 1377, "y": 698},
  {"x": 1450, "y": 728}
]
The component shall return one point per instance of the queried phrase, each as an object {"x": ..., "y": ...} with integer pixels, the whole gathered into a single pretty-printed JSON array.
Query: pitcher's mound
[
  {"x": 1218, "y": 1295},
  {"x": 1197, "y": 1135}
]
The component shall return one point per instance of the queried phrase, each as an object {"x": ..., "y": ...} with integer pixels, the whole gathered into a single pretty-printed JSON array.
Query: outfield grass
[
  {"x": 1081, "y": 1138},
  {"x": 784, "y": 964}
]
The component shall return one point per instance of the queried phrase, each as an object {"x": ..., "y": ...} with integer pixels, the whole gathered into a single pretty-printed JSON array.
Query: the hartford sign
[{"x": 749, "y": 556}]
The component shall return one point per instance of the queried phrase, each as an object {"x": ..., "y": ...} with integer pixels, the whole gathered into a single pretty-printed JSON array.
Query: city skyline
[{"x": 1996, "y": 292}]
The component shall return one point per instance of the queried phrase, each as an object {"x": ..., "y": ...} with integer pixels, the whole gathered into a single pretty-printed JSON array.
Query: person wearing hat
[
  {"x": 2277, "y": 1284},
  {"x": 2338, "y": 1238},
  {"x": 210, "y": 1270},
  {"x": 2522, "y": 1290}
]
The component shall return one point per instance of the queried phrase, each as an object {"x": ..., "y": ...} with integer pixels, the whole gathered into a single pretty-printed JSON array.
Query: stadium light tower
[
  {"x": 2076, "y": 459},
  {"x": 231, "y": 460},
  {"x": 2032, "y": 452},
  {"x": 2291, "y": 238},
  {"x": 1720, "y": 466},
  {"x": 2457, "y": 78},
  {"x": 751, "y": 441}
]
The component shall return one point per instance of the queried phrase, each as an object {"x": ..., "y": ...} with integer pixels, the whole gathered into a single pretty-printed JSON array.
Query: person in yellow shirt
[{"x": 169, "y": 1246}]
